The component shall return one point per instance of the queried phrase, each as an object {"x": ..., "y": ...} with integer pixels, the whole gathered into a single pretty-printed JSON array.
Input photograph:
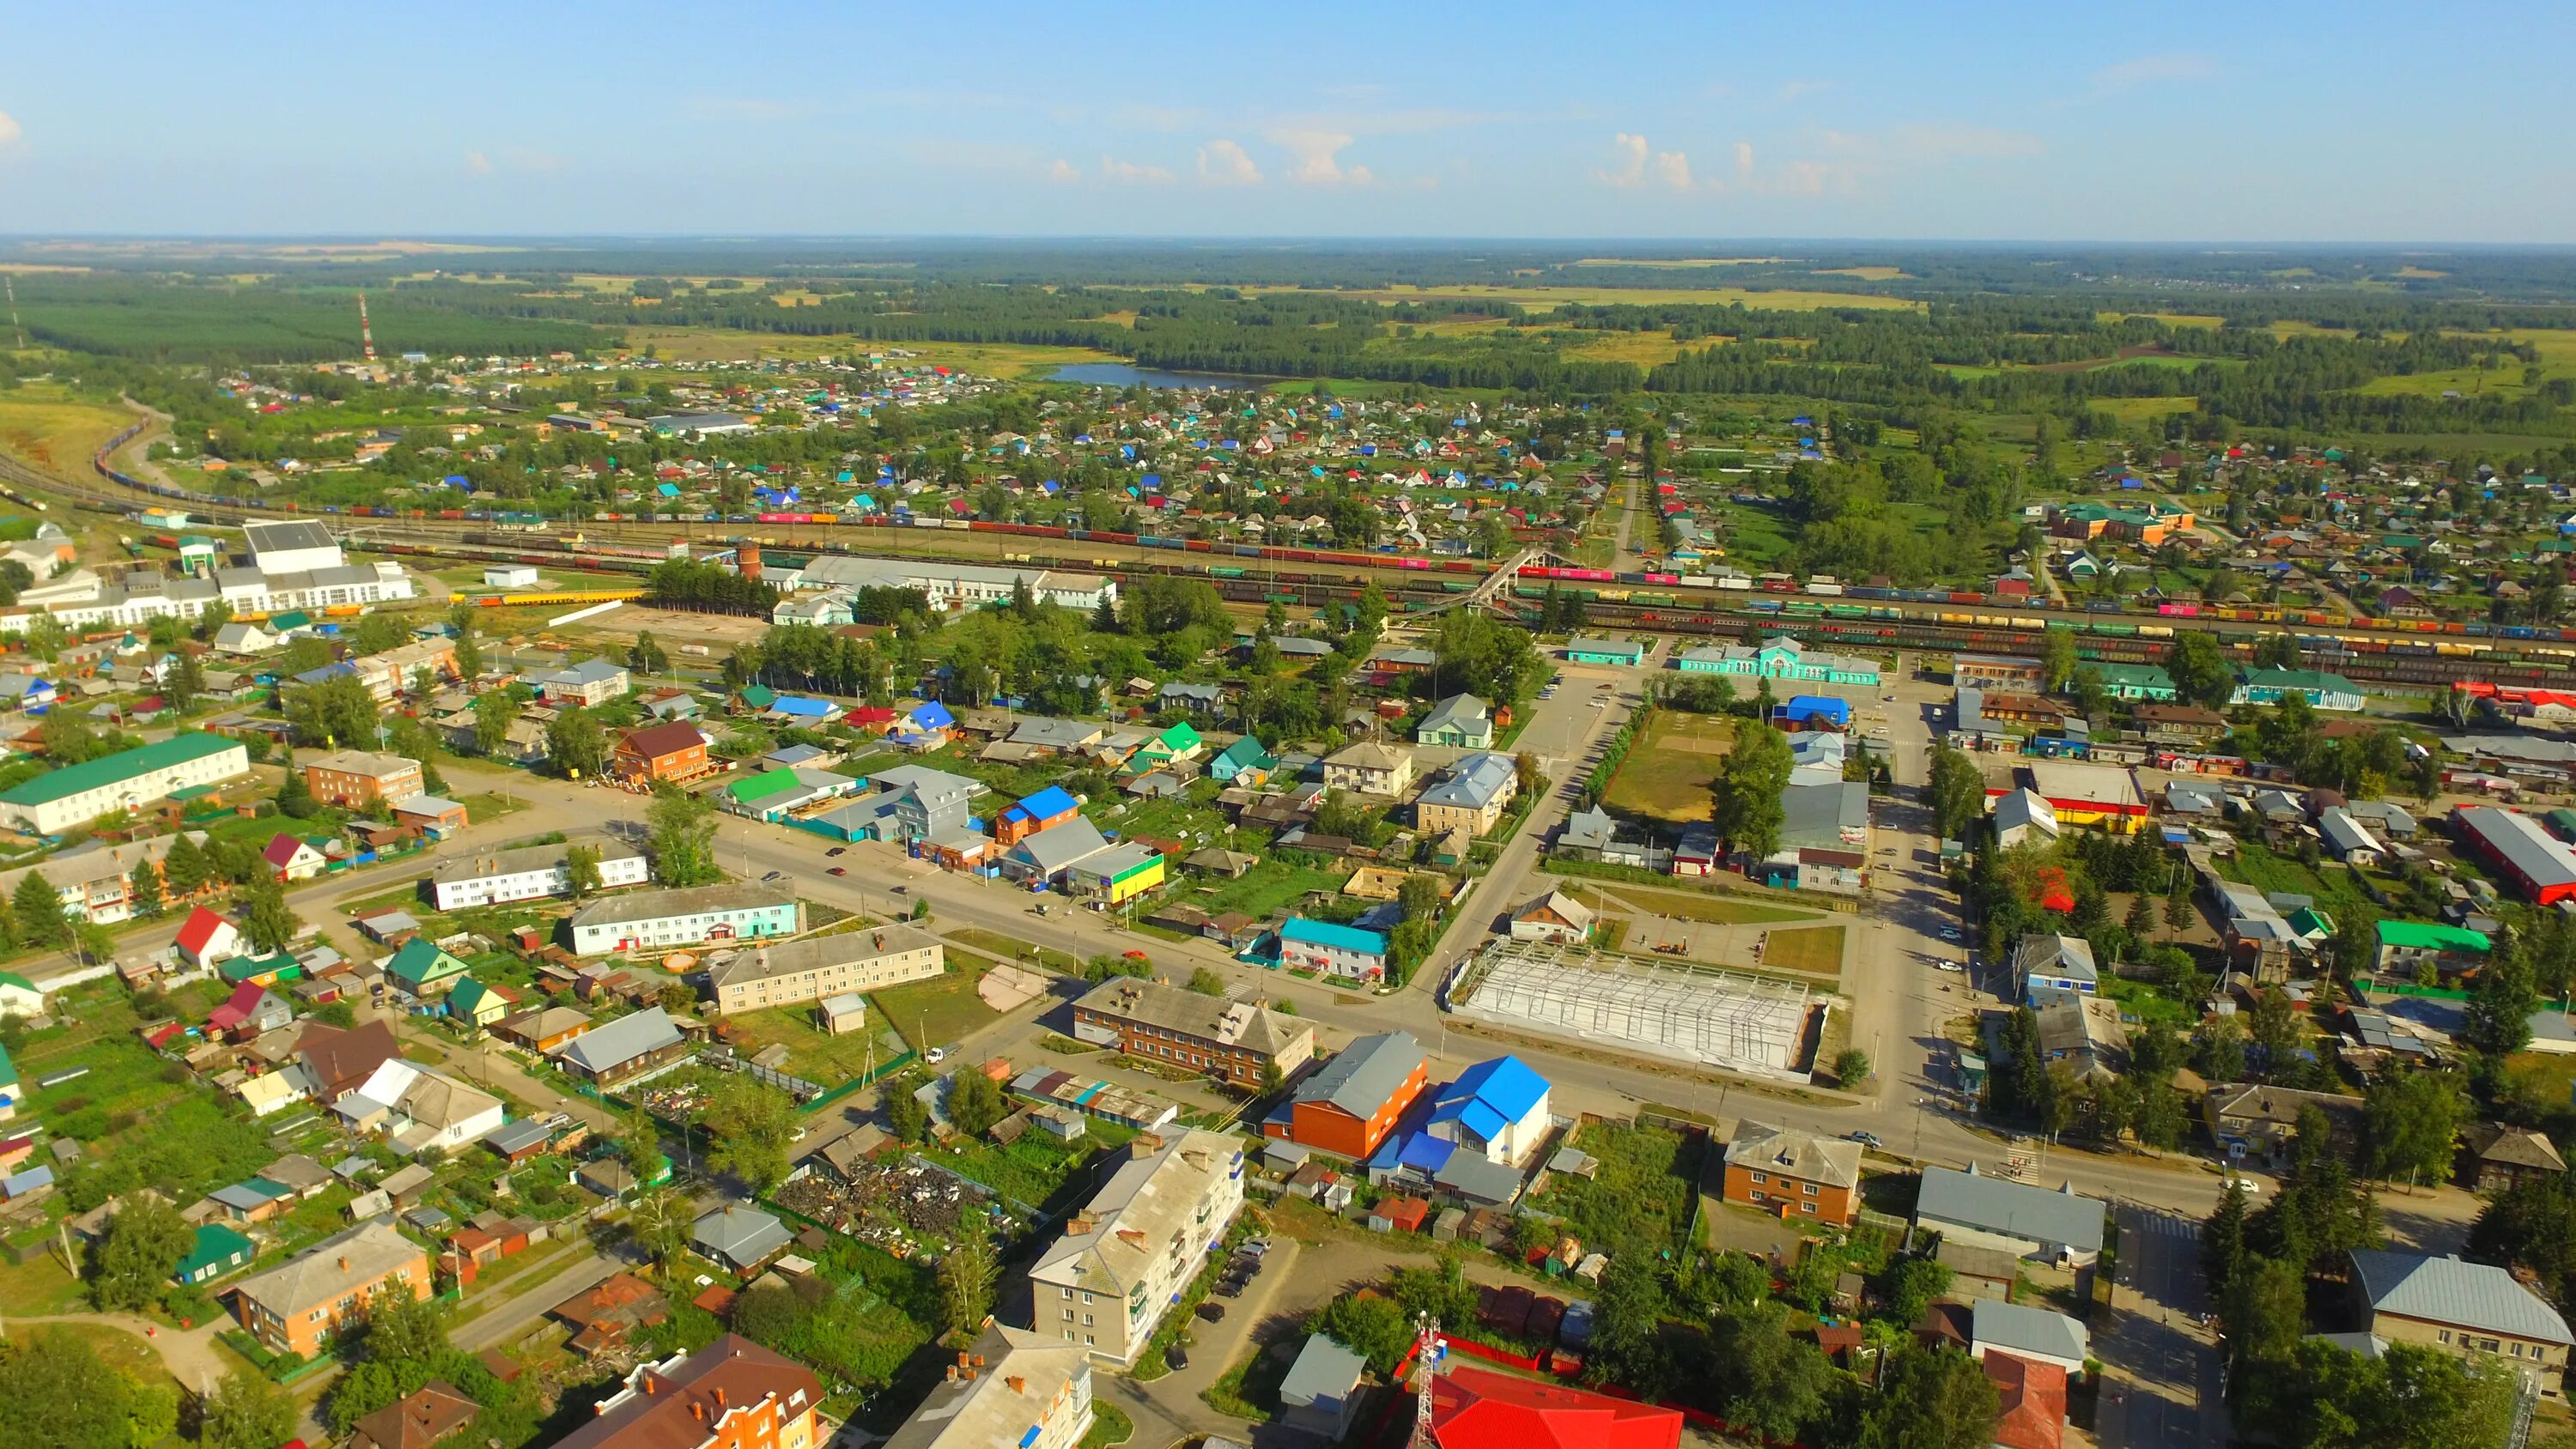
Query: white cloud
[
  {"x": 10, "y": 130},
  {"x": 1631, "y": 170},
  {"x": 1794, "y": 89},
  {"x": 1063, "y": 171},
  {"x": 1641, "y": 165},
  {"x": 1223, "y": 163},
  {"x": 1117, "y": 170},
  {"x": 1744, "y": 160},
  {"x": 1312, "y": 154},
  {"x": 477, "y": 164},
  {"x": 2171, "y": 65}
]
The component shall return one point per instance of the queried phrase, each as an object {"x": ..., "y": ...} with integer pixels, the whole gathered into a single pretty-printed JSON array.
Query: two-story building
[
  {"x": 2464, "y": 1308},
  {"x": 1124, "y": 1257},
  {"x": 1350, "y": 1104},
  {"x": 731, "y": 1394},
  {"x": 361, "y": 779},
  {"x": 1344, "y": 953},
  {"x": 1369, "y": 768},
  {"x": 1033, "y": 1391},
  {"x": 589, "y": 683},
  {"x": 675, "y": 751},
  {"x": 61, "y": 798},
  {"x": 667, "y": 920},
  {"x": 1470, "y": 795},
  {"x": 1793, "y": 1175},
  {"x": 795, "y": 972},
  {"x": 531, "y": 872},
  {"x": 303, "y": 1303},
  {"x": 1233, "y": 1040}
]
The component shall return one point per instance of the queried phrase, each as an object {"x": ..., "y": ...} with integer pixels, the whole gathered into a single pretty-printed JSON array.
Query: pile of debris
[{"x": 900, "y": 1205}]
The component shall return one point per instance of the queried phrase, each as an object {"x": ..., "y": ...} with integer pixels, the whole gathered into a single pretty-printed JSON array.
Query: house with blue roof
[
  {"x": 1345, "y": 953},
  {"x": 1044, "y": 810},
  {"x": 1496, "y": 1109},
  {"x": 925, "y": 727}
]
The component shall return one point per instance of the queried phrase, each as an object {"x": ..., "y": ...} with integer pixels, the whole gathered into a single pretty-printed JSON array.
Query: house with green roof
[
  {"x": 20, "y": 996},
  {"x": 57, "y": 800},
  {"x": 2326, "y": 691},
  {"x": 268, "y": 970},
  {"x": 2135, "y": 682},
  {"x": 475, "y": 1004},
  {"x": 1244, "y": 762},
  {"x": 2407, "y": 947},
  {"x": 422, "y": 969},
  {"x": 755, "y": 699},
  {"x": 8, "y": 1086},
  {"x": 1180, "y": 742},
  {"x": 218, "y": 1250}
]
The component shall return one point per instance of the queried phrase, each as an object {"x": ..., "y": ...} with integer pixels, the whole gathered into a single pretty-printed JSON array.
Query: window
[
  {"x": 1759, "y": 1178},
  {"x": 1068, "y": 1315},
  {"x": 1086, "y": 1320},
  {"x": 2446, "y": 1336},
  {"x": 1807, "y": 1207},
  {"x": 1808, "y": 1188}
]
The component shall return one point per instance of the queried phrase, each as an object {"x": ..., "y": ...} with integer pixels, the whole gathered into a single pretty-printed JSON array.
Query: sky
[{"x": 2261, "y": 121}]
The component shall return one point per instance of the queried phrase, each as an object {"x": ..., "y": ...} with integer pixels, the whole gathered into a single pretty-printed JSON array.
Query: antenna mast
[
  {"x": 14, "y": 325},
  {"x": 1427, "y": 1353},
  {"x": 366, "y": 336}
]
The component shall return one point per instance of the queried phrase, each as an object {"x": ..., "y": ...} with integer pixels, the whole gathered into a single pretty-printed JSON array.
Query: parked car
[
  {"x": 837, "y": 850},
  {"x": 1229, "y": 1289},
  {"x": 838, "y": 870},
  {"x": 1212, "y": 1312},
  {"x": 1176, "y": 1357},
  {"x": 1864, "y": 1137}
]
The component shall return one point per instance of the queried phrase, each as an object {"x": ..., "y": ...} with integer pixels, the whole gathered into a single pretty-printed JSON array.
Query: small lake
[{"x": 1123, "y": 374}]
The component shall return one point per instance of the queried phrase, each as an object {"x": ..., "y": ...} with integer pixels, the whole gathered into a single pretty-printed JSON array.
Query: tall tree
[
  {"x": 1931, "y": 1399},
  {"x": 246, "y": 1412},
  {"x": 581, "y": 870},
  {"x": 265, "y": 916},
  {"x": 2412, "y": 1125},
  {"x": 1747, "y": 808},
  {"x": 61, "y": 1396},
  {"x": 2200, "y": 669},
  {"x": 966, "y": 1275},
  {"x": 752, "y": 1125},
  {"x": 682, "y": 835},
  {"x": 184, "y": 870},
  {"x": 130, "y": 1268},
  {"x": 38, "y": 906},
  {"x": 1958, "y": 791}
]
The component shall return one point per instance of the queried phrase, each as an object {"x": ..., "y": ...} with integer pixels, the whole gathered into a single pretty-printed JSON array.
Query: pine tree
[
  {"x": 2222, "y": 1241},
  {"x": 184, "y": 870},
  {"x": 38, "y": 905},
  {"x": 144, "y": 887}
]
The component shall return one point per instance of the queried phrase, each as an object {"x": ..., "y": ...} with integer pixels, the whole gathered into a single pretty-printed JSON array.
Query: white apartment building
[
  {"x": 77, "y": 794},
  {"x": 1107, "y": 1283},
  {"x": 530, "y": 873},
  {"x": 954, "y": 585},
  {"x": 666, "y": 920},
  {"x": 1034, "y": 1392}
]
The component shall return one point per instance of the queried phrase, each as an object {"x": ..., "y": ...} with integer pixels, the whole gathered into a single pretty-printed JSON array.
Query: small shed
[
  {"x": 1399, "y": 1215},
  {"x": 839, "y": 1015}
]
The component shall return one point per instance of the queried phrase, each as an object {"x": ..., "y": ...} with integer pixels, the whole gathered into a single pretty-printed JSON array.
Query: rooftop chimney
[
  {"x": 1018, "y": 1385},
  {"x": 344, "y": 1263},
  {"x": 720, "y": 1402}
]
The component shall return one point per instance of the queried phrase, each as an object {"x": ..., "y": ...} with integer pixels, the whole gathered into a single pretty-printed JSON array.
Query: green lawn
[
  {"x": 1266, "y": 890},
  {"x": 1639, "y": 1200},
  {"x": 941, "y": 1011},
  {"x": 811, "y": 1053},
  {"x": 1035, "y": 1168},
  {"x": 1817, "y": 952},
  {"x": 1667, "y": 772}
]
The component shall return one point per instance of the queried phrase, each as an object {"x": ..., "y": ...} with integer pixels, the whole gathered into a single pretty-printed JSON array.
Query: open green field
[
  {"x": 940, "y": 1011},
  {"x": 44, "y": 424},
  {"x": 1639, "y": 1200},
  {"x": 1815, "y": 952},
  {"x": 1268, "y": 888},
  {"x": 812, "y": 1053},
  {"x": 1668, "y": 770}
]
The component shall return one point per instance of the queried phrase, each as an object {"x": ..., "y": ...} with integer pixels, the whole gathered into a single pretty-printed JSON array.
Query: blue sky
[{"x": 2263, "y": 121}]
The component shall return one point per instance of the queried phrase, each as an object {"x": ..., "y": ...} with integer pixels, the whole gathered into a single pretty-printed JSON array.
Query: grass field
[
  {"x": 45, "y": 425},
  {"x": 1668, "y": 770},
  {"x": 812, "y": 1053},
  {"x": 1645, "y": 349},
  {"x": 1816, "y": 952},
  {"x": 941, "y": 1011},
  {"x": 1639, "y": 1199}
]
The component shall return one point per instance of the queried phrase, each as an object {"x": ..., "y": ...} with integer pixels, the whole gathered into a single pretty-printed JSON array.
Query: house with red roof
[
  {"x": 251, "y": 1010},
  {"x": 1473, "y": 1408},
  {"x": 293, "y": 859},
  {"x": 205, "y": 938},
  {"x": 2034, "y": 1402}
]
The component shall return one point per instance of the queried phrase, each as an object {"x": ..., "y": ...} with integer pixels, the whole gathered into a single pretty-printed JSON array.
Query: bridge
[{"x": 1493, "y": 587}]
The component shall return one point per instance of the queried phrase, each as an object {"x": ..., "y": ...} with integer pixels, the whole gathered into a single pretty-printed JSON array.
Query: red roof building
[
  {"x": 2034, "y": 1401},
  {"x": 206, "y": 937},
  {"x": 1473, "y": 1408}
]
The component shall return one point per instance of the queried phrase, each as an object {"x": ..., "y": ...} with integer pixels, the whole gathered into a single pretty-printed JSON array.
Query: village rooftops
[
  {"x": 758, "y": 963},
  {"x": 1207, "y": 1018},
  {"x": 527, "y": 858}
]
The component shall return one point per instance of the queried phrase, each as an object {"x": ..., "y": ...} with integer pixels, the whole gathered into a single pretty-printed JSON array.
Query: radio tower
[
  {"x": 1427, "y": 1352},
  {"x": 12, "y": 284},
  {"x": 366, "y": 337}
]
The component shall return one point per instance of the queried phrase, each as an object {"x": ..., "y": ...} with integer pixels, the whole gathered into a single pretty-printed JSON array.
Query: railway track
[{"x": 1315, "y": 578}]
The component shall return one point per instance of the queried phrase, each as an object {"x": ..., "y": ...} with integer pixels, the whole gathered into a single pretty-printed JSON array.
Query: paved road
[
  {"x": 2161, "y": 1368},
  {"x": 498, "y": 1325}
]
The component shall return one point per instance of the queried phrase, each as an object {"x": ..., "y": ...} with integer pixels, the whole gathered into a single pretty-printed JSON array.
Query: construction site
[{"x": 1705, "y": 1017}]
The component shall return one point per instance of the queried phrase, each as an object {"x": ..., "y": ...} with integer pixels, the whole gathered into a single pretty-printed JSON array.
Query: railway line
[{"x": 1861, "y": 619}]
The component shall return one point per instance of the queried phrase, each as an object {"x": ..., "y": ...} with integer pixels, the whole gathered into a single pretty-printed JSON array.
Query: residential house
[
  {"x": 739, "y": 1238},
  {"x": 421, "y": 970},
  {"x": 2499, "y": 1159},
  {"x": 417, "y": 1420},
  {"x": 1244, "y": 762},
  {"x": 2044, "y": 964},
  {"x": 215, "y": 1251},
  {"x": 290, "y": 859},
  {"x": 70, "y": 795},
  {"x": 1477, "y": 1408},
  {"x": 1793, "y": 1175},
  {"x": 477, "y": 1005},
  {"x": 2033, "y": 1335},
  {"x": 1556, "y": 917},
  {"x": 1368, "y": 768},
  {"x": 590, "y": 683},
  {"x": 1127, "y": 1253},
  {"x": 1321, "y": 1393},
  {"x": 1462, "y": 721},
  {"x": 1045, "y": 810},
  {"x": 676, "y": 752},
  {"x": 2259, "y": 1121},
  {"x": 302, "y": 1304},
  {"x": 626, "y": 1050},
  {"x": 2407, "y": 947},
  {"x": 1349, "y": 1105},
  {"x": 418, "y": 1110}
]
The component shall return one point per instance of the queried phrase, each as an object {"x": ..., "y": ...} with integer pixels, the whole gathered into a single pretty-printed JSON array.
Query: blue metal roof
[
  {"x": 1490, "y": 1096},
  {"x": 1424, "y": 1151},
  {"x": 1044, "y": 805},
  {"x": 1326, "y": 933}
]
